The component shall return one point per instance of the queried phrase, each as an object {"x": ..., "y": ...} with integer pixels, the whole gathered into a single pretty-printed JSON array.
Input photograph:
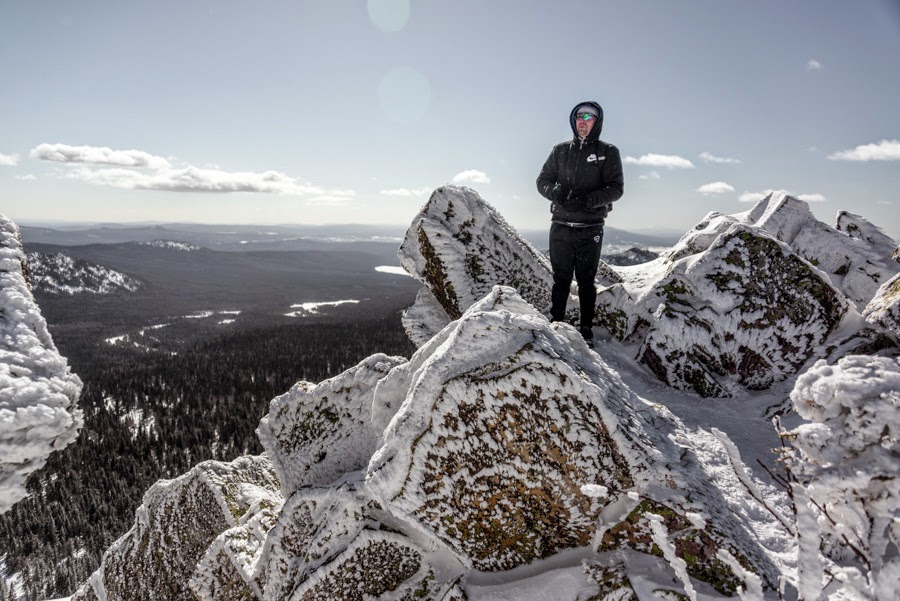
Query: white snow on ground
[
  {"x": 392, "y": 269},
  {"x": 304, "y": 309}
]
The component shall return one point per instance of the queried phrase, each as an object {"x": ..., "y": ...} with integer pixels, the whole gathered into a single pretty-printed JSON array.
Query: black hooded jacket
[{"x": 589, "y": 173}]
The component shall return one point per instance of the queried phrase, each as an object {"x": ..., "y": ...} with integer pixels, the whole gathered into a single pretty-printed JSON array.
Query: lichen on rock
[
  {"x": 317, "y": 433},
  {"x": 176, "y": 524}
]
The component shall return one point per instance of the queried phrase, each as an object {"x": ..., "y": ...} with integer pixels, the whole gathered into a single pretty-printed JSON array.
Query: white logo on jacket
[{"x": 592, "y": 158}]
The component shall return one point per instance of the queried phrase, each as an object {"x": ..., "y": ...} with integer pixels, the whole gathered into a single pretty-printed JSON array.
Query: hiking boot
[{"x": 588, "y": 335}]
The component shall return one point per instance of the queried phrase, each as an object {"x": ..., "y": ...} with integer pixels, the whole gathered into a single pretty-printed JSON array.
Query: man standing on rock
[{"x": 582, "y": 177}]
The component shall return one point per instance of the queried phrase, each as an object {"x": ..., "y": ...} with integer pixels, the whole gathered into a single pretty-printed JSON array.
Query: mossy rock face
[
  {"x": 769, "y": 312},
  {"x": 884, "y": 310},
  {"x": 460, "y": 247},
  {"x": 375, "y": 563},
  {"x": 228, "y": 570},
  {"x": 436, "y": 277},
  {"x": 316, "y": 433},
  {"x": 312, "y": 527},
  {"x": 698, "y": 548},
  {"x": 176, "y": 524},
  {"x": 616, "y": 313},
  {"x": 612, "y": 582},
  {"x": 501, "y": 483}
]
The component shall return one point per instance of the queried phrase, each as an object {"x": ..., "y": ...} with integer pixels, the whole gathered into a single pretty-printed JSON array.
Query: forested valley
[{"x": 151, "y": 415}]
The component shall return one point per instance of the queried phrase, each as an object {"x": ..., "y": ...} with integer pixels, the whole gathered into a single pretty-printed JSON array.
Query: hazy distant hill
[{"x": 376, "y": 239}]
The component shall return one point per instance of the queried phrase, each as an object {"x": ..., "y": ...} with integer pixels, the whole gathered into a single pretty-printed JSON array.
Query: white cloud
[
  {"x": 194, "y": 179},
  {"x": 9, "y": 160},
  {"x": 62, "y": 153},
  {"x": 472, "y": 176},
  {"x": 886, "y": 150},
  {"x": 651, "y": 175},
  {"x": 710, "y": 158},
  {"x": 885, "y": 202},
  {"x": 138, "y": 170},
  {"x": 715, "y": 188},
  {"x": 406, "y": 192},
  {"x": 661, "y": 160},
  {"x": 814, "y": 65},
  {"x": 26, "y": 178},
  {"x": 757, "y": 196}
]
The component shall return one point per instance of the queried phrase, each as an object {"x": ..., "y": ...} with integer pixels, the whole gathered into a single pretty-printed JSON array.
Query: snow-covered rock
[
  {"x": 58, "y": 273},
  {"x": 459, "y": 246},
  {"x": 747, "y": 311},
  {"x": 741, "y": 302},
  {"x": 846, "y": 461},
  {"x": 506, "y": 422},
  {"x": 315, "y": 434},
  {"x": 505, "y": 458},
  {"x": 884, "y": 309},
  {"x": 503, "y": 441},
  {"x": 177, "y": 523},
  {"x": 38, "y": 393}
]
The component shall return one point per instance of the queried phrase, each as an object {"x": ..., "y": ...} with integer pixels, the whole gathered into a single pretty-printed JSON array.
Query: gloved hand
[
  {"x": 558, "y": 193},
  {"x": 577, "y": 201}
]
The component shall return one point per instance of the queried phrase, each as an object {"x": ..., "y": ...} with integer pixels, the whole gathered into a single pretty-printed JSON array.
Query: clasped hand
[{"x": 570, "y": 199}]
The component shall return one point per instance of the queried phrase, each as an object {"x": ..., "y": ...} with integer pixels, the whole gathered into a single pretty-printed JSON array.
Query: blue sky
[{"x": 353, "y": 111}]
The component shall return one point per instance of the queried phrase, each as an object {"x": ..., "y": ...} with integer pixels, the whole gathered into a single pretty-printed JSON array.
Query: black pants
[{"x": 575, "y": 251}]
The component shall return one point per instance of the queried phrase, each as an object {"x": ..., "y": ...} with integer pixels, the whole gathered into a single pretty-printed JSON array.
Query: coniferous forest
[{"x": 153, "y": 415}]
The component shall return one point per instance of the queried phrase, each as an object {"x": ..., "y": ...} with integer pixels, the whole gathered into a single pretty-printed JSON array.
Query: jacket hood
[{"x": 595, "y": 131}]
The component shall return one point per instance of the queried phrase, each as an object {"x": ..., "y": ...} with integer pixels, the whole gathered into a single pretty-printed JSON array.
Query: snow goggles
[{"x": 585, "y": 117}]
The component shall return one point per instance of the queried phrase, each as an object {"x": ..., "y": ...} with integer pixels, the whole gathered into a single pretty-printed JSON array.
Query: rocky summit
[
  {"x": 741, "y": 302},
  {"x": 503, "y": 441}
]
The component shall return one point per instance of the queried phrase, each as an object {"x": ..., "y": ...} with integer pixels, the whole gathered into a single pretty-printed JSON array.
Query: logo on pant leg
[{"x": 597, "y": 239}]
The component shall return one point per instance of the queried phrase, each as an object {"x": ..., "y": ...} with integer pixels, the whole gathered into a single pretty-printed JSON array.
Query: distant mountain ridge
[{"x": 285, "y": 237}]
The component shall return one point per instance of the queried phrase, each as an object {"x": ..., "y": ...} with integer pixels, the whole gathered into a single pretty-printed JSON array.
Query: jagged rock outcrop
[
  {"x": 741, "y": 302},
  {"x": 175, "y": 527},
  {"x": 504, "y": 441},
  {"x": 38, "y": 393},
  {"x": 314, "y": 434},
  {"x": 508, "y": 423},
  {"x": 460, "y": 247},
  {"x": 884, "y": 310},
  {"x": 746, "y": 310}
]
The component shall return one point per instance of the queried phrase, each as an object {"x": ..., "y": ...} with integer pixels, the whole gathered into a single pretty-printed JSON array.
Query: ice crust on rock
[
  {"x": 505, "y": 422},
  {"x": 847, "y": 462},
  {"x": 745, "y": 301},
  {"x": 459, "y": 246},
  {"x": 884, "y": 310},
  {"x": 38, "y": 393},
  {"x": 317, "y": 433},
  {"x": 492, "y": 434},
  {"x": 175, "y": 526},
  {"x": 741, "y": 302}
]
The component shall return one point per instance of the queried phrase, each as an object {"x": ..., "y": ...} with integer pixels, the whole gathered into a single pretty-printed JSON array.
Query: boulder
[{"x": 38, "y": 392}]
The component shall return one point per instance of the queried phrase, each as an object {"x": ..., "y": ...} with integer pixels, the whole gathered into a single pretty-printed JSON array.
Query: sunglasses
[{"x": 585, "y": 117}]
